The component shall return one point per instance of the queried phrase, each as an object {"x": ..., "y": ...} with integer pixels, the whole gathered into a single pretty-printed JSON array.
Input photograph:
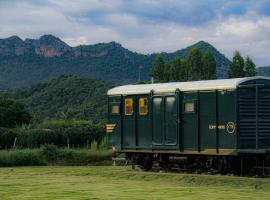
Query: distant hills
[
  {"x": 66, "y": 97},
  {"x": 263, "y": 71},
  {"x": 29, "y": 61}
]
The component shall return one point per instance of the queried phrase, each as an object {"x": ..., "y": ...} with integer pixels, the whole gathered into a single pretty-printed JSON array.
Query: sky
[{"x": 146, "y": 26}]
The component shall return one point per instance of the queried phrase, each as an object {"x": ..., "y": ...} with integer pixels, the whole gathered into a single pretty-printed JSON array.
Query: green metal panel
[
  {"x": 227, "y": 118},
  {"x": 115, "y": 137},
  {"x": 190, "y": 123},
  {"x": 171, "y": 130},
  {"x": 144, "y": 130},
  {"x": 158, "y": 120},
  {"x": 129, "y": 125},
  {"x": 207, "y": 107}
]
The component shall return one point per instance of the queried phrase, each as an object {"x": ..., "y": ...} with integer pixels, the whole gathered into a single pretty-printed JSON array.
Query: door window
[
  {"x": 143, "y": 106},
  {"x": 128, "y": 106},
  {"x": 189, "y": 107}
]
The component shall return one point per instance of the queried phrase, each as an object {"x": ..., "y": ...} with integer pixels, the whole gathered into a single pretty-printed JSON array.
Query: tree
[
  {"x": 13, "y": 113},
  {"x": 184, "y": 71},
  {"x": 175, "y": 69},
  {"x": 209, "y": 66},
  {"x": 250, "y": 67},
  {"x": 194, "y": 62},
  {"x": 157, "y": 70},
  {"x": 236, "y": 69},
  {"x": 167, "y": 73}
]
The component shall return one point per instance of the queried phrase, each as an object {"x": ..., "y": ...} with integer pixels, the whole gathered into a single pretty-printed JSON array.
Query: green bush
[
  {"x": 72, "y": 133},
  {"x": 7, "y": 138},
  {"x": 26, "y": 157},
  {"x": 50, "y": 154},
  {"x": 104, "y": 144}
]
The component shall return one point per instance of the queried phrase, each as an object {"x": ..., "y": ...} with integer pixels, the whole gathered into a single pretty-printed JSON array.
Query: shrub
[
  {"x": 94, "y": 145},
  {"x": 50, "y": 152},
  {"x": 7, "y": 138},
  {"x": 26, "y": 157},
  {"x": 104, "y": 144},
  {"x": 72, "y": 133}
]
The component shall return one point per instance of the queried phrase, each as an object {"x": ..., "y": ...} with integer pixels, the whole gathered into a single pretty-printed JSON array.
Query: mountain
[
  {"x": 263, "y": 71},
  {"x": 64, "y": 98},
  {"x": 26, "y": 62}
]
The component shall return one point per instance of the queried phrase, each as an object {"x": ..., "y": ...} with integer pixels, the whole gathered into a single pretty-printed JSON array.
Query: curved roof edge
[{"x": 218, "y": 84}]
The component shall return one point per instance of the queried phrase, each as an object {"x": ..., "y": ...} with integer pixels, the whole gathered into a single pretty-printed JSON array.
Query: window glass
[
  {"x": 128, "y": 106},
  {"x": 115, "y": 109},
  {"x": 143, "y": 106},
  {"x": 189, "y": 107}
]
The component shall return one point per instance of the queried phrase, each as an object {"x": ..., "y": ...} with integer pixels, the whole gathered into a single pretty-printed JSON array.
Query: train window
[
  {"x": 115, "y": 110},
  {"x": 189, "y": 107},
  {"x": 128, "y": 106},
  {"x": 143, "y": 106}
]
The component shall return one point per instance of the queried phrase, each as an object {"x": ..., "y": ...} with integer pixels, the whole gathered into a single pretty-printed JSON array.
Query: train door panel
[
  {"x": 129, "y": 121},
  {"x": 165, "y": 123},
  {"x": 144, "y": 126},
  {"x": 207, "y": 107},
  {"x": 190, "y": 121},
  {"x": 158, "y": 120},
  {"x": 171, "y": 133}
]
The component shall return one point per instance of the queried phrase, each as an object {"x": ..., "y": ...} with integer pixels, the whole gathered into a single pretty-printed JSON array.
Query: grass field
[{"x": 107, "y": 182}]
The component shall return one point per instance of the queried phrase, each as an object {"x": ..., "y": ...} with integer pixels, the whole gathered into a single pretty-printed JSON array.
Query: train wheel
[
  {"x": 145, "y": 162},
  {"x": 223, "y": 165}
]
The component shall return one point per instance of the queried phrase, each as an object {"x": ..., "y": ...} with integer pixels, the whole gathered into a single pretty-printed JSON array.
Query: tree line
[{"x": 199, "y": 66}]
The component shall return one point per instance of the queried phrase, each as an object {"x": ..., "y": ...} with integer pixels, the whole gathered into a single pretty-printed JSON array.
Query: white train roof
[{"x": 219, "y": 84}]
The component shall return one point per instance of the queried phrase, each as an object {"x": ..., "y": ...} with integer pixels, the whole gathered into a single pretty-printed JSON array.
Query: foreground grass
[{"x": 107, "y": 182}]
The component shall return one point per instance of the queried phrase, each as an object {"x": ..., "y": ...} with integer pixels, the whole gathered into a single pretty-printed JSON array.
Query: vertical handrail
[
  {"x": 198, "y": 121},
  {"x": 256, "y": 106},
  {"x": 217, "y": 123}
]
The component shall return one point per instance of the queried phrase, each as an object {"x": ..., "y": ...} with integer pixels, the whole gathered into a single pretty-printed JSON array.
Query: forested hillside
[
  {"x": 26, "y": 62},
  {"x": 263, "y": 71},
  {"x": 67, "y": 97}
]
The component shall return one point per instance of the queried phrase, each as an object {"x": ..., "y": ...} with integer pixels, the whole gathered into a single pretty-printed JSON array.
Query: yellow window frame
[
  {"x": 143, "y": 106},
  {"x": 129, "y": 106}
]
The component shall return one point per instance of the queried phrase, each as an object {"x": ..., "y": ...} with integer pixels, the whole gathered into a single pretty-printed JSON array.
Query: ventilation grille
[{"x": 254, "y": 118}]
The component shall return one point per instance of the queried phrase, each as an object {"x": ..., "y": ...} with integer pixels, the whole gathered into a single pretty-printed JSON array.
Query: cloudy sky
[{"x": 145, "y": 26}]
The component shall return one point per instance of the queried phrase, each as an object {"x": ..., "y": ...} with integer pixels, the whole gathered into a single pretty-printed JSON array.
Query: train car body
[{"x": 198, "y": 119}]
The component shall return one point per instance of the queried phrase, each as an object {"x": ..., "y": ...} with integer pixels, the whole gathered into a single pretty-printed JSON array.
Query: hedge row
[
  {"x": 50, "y": 155},
  {"x": 60, "y": 133}
]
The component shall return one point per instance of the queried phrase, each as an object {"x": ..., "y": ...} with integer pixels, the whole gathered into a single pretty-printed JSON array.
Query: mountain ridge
[{"x": 26, "y": 62}]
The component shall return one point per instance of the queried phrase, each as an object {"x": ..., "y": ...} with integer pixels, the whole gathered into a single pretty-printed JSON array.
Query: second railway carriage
[{"x": 213, "y": 123}]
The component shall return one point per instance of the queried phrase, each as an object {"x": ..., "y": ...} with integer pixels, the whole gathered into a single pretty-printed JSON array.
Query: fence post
[{"x": 14, "y": 143}]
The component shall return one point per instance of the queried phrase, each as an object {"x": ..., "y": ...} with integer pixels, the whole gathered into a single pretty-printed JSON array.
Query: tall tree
[
  {"x": 209, "y": 66},
  {"x": 167, "y": 73},
  {"x": 184, "y": 71},
  {"x": 250, "y": 67},
  {"x": 194, "y": 62},
  {"x": 236, "y": 69},
  {"x": 157, "y": 70},
  {"x": 175, "y": 69},
  {"x": 13, "y": 113}
]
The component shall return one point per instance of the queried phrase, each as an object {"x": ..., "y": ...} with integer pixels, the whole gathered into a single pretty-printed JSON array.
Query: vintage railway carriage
[{"x": 213, "y": 121}]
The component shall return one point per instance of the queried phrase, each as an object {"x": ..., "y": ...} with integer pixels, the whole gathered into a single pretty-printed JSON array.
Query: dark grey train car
[{"x": 215, "y": 121}]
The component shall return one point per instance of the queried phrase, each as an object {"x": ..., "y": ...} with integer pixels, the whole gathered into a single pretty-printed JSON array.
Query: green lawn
[{"x": 109, "y": 182}]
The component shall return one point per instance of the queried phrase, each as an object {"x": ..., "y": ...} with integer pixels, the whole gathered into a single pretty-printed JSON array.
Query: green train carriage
[{"x": 223, "y": 122}]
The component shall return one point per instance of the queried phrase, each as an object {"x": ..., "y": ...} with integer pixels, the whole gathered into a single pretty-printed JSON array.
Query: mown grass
[{"x": 107, "y": 182}]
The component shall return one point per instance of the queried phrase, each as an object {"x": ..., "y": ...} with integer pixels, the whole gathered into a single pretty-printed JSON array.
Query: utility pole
[{"x": 139, "y": 72}]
